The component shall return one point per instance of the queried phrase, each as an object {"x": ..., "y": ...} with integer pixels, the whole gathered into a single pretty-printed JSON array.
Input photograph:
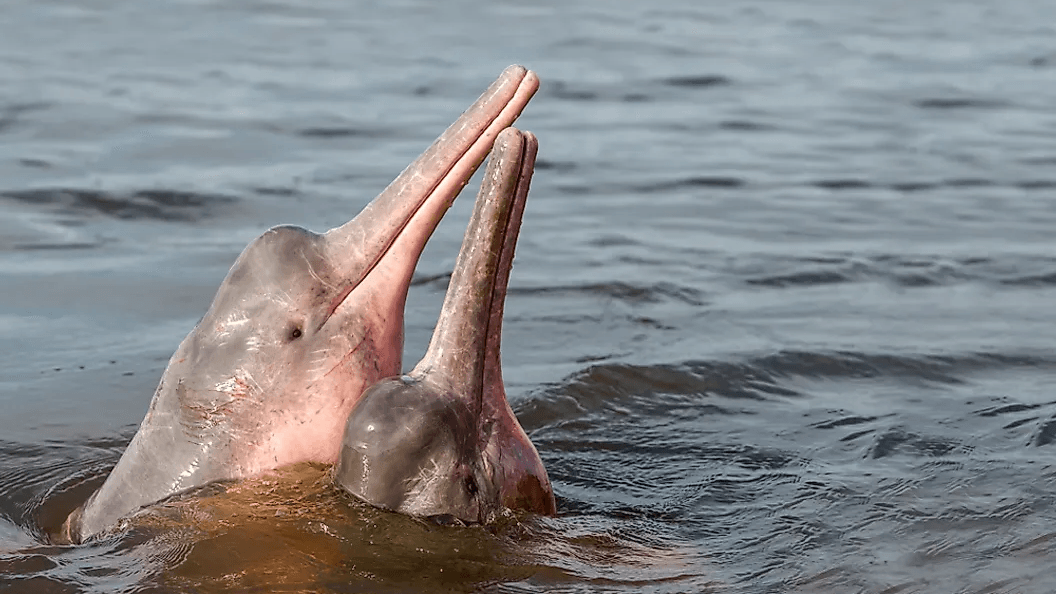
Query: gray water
[{"x": 781, "y": 319}]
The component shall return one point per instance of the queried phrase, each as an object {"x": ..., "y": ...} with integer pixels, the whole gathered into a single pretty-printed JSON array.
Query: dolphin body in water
[
  {"x": 300, "y": 327},
  {"x": 442, "y": 441}
]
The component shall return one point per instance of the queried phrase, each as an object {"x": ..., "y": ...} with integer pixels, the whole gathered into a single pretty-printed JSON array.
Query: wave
[
  {"x": 906, "y": 270},
  {"x": 713, "y": 387},
  {"x": 156, "y": 205}
]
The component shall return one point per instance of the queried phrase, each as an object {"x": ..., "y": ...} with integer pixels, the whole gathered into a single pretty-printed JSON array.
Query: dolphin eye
[{"x": 295, "y": 332}]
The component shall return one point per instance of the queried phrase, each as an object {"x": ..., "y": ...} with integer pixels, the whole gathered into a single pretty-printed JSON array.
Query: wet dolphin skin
[
  {"x": 301, "y": 326},
  {"x": 442, "y": 441}
]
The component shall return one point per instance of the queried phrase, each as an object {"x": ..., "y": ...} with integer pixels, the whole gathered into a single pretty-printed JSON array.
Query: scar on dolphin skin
[
  {"x": 301, "y": 290},
  {"x": 348, "y": 356}
]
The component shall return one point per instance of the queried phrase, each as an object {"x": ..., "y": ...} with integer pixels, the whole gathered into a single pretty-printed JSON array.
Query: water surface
[{"x": 781, "y": 318}]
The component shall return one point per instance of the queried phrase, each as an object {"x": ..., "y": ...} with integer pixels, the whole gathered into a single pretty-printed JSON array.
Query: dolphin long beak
[
  {"x": 395, "y": 226},
  {"x": 465, "y": 343}
]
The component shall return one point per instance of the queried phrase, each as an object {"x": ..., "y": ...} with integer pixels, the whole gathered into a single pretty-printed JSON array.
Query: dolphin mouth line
[
  {"x": 476, "y": 294},
  {"x": 340, "y": 298},
  {"x": 476, "y": 150},
  {"x": 508, "y": 232}
]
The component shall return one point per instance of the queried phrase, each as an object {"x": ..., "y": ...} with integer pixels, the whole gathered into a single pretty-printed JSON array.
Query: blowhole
[{"x": 296, "y": 332}]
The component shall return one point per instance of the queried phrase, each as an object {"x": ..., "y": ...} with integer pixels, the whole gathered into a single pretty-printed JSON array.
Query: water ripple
[{"x": 158, "y": 205}]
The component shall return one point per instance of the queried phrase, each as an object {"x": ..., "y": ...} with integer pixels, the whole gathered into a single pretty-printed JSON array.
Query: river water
[{"x": 782, "y": 317}]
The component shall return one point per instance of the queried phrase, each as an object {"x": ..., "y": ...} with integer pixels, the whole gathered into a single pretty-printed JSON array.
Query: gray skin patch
[
  {"x": 265, "y": 320},
  {"x": 415, "y": 450},
  {"x": 261, "y": 334}
]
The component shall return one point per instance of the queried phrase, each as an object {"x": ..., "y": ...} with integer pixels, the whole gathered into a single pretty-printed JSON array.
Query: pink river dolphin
[{"x": 301, "y": 326}]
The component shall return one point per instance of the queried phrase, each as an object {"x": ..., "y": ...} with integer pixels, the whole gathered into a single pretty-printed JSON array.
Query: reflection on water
[{"x": 780, "y": 320}]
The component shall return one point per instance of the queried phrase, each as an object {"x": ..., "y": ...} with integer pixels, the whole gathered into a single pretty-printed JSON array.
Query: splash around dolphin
[
  {"x": 442, "y": 441},
  {"x": 301, "y": 326}
]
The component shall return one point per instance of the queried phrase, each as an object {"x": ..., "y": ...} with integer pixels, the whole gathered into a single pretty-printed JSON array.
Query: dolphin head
[{"x": 442, "y": 441}]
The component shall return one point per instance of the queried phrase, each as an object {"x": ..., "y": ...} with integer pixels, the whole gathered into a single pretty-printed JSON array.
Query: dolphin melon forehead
[
  {"x": 288, "y": 265},
  {"x": 283, "y": 253}
]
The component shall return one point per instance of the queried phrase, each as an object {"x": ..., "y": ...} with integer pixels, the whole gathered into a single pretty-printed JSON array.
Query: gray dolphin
[
  {"x": 442, "y": 440},
  {"x": 301, "y": 326}
]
